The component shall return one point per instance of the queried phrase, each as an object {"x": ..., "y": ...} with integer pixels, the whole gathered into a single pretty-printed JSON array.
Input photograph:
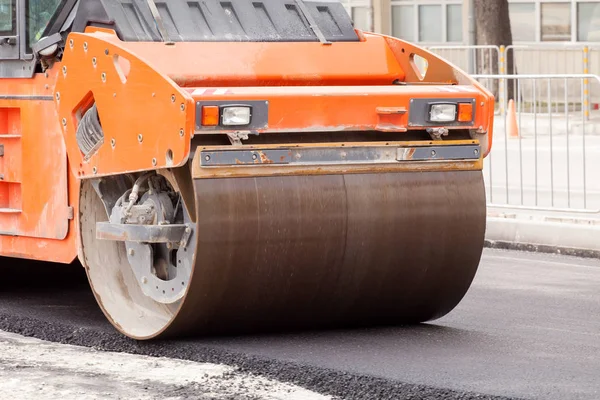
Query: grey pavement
[{"x": 528, "y": 328}]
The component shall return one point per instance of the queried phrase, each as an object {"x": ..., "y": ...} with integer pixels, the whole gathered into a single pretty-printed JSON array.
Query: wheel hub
[{"x": 156, "y": 232}]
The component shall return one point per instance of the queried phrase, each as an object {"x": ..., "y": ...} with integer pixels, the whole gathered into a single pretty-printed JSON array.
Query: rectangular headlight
[
  {"x": 236, "y": 115},
  {"x": 442, "y": 113}
]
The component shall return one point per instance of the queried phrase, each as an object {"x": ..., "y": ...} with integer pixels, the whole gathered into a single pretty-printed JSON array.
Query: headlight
[
  {"x": 442, "y": 113},
  {"x": 236, "y": 115}
]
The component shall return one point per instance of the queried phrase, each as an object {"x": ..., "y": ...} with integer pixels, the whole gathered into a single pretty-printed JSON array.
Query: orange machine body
[
  {"x": 38, "y": 192},
  {"x": 147, "y": 95}
]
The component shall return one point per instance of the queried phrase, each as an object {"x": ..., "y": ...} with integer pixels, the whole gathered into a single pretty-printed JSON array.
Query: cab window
[
  {"x": 7, "y": 17},
  {"x": 40, "y": 14}
]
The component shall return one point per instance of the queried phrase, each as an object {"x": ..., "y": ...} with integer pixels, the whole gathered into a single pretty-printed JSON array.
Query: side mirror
[{"x": 47, "y": 46}]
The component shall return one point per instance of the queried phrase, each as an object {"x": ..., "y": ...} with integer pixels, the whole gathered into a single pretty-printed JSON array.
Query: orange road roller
[{"x": 237, "y": 166}]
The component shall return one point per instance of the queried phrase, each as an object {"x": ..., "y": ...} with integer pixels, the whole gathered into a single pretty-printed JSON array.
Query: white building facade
[{"x": 444, "y": 22}]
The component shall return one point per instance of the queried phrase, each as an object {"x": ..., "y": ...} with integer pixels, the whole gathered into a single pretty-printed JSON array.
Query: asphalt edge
[
  {"x": 570, "y": 238},
  {"x": 337, "y": 384},
  {"x": 541, "y": 248}
]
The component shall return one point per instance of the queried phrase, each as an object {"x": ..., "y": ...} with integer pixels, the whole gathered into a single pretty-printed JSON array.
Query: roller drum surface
[
  {"x": 298, "y": 252},
  {"x": 333, "y": 250}
]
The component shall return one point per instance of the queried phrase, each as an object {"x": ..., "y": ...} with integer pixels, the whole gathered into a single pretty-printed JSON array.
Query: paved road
[{"x": 528, "y": 328}]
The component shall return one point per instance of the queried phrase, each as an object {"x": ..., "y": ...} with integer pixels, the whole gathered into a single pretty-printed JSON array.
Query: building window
[
  {"x": 430, "y": 23},
  {"x": 556, "y": 22},
  {"x": 440, "y": 21},
  {"x": 362, "y": 18},
  {"x": 403, "y": 22},
  {"x": 454, "y": 26},
  {"x": 588, "y": 22},
  {"x": 522, "y": 21}
]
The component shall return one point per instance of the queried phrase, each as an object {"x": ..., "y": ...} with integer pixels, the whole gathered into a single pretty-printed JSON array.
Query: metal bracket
[
  {"x": 311, "y": 21},
  {"x": 185, "y": 238},
  {"x": 174, "y": 233},
  {"x": 236, "y": 138},
  {"x": 159, "y": 21},
  {"x": 437, "y": 133},
  {"x": 439, "y": 153},
  {"x": 475, "y": 133},
  {"x": 336, "y": 155},
  {"x": 47, "y": 46}
]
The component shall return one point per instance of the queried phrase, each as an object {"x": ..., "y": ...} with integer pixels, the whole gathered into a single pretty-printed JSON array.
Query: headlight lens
[
  {"x": 236, "y": 115},
  {"x": 442, "y": 113}
]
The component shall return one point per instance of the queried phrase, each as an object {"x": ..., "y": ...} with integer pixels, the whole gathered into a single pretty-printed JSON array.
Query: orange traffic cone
[{"x": 511, "y": 120}]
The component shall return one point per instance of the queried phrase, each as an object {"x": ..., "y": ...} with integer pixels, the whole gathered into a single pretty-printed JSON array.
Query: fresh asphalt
[{"x": 528, "y": 328}]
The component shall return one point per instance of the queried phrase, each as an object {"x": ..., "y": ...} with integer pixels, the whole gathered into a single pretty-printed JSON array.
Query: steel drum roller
[{"x": 298, "y": 252}]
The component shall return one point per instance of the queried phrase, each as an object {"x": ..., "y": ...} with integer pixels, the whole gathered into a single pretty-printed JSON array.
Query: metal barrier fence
[
  {"x": 528, "y": 59},
  {"x": 475, "y": 59},
  {"x": 556, "y": 59},
  {"x": 549, "y": 59},
  {"x": 545, "y": 155}
]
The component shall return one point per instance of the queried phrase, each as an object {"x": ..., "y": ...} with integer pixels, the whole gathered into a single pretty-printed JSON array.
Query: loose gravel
[
  {"x": 337, "y": 384},
  {"x": 31, "y": 368}
]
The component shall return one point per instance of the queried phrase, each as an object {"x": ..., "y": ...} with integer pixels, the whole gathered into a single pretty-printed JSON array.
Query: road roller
[{"x": 239, "y": 166}]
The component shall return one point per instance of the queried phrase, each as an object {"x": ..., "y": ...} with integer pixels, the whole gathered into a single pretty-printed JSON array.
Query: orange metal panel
[
  {"x": 341, "y": 108},
  {"x": 440, "y": 70},
  {"x": 273, "y": 64},
  {"x": 146, "y": 118},
  {"x": 309, "y": 87},
  {"x": 36, "y": 188}
]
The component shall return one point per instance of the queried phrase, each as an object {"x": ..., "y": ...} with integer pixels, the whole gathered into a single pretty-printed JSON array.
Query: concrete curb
[{"x": 576, "y": 239}]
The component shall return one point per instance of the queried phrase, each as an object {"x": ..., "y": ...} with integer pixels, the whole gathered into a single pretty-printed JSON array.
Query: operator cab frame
[{"x": 23, "y": 25}]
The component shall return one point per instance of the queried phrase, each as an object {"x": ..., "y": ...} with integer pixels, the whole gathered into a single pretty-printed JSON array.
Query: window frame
[
  {"x": 416, "y": 3},
  {"x": 13, "y": 31},
  {"x": 415, "y": 28},
  {"x": 49, "y": 26},
  {"x": 574, "y": 22},
  {"x": 443, "y": 16},
  {"x": 537, "y": 17},
  {"x": 462, "y": 20},
  {"x": 568, "y": 6},
  {"x": 12, "y": 52},
  {"x": 352, "y": 5},
  {"x": 576, "y": 27},
  {"x": 574, "y": 4}
]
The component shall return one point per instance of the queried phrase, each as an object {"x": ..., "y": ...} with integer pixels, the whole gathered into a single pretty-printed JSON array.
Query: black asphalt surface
[{"x": 528, "y": 328}]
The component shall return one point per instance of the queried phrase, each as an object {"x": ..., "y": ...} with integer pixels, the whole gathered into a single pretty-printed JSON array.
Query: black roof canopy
[{"x": 219, "y": 20}]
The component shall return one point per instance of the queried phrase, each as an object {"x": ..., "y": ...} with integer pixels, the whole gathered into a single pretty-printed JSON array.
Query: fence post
[
  {"x": 586, "y": 83},
  {"x": 502, "y": 82},
  {"x": 472, "y": 38}
]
